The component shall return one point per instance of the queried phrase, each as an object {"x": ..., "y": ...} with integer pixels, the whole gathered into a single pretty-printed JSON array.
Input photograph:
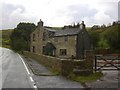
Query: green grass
[
  {"x": 58, "y": 28},
  {"x": 88, "y": 28},
  {"x": 28, "y": 60},
  {"x": 5, "y": 38},
  {"x": 5, "y": 46},
  {"x": 6, "y": 33},
  {"x": 76, "y": 60},
  {"x": 35, "y": 69},
  {"x": 83, "y": 79}
]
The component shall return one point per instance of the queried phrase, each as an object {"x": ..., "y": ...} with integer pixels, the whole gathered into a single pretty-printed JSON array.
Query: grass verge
[
  {"x": 5, "y": 46},
  {"x": 93, "y": 77}
]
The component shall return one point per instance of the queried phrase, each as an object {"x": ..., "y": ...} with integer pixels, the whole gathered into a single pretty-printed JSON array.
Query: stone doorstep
[{"x": 38, "y": 73}]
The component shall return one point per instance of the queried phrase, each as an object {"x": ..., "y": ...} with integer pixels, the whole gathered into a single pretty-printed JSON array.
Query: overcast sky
[{"x": 57, "y": 13}]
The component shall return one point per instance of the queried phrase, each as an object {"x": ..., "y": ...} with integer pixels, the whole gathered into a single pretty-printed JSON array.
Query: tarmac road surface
[{"x": 14, "y": 73}]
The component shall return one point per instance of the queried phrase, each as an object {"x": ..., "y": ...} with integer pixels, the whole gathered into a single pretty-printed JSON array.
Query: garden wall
[
  {"x": 64, "y": 66},
  {"x": 103, "y": 51}
]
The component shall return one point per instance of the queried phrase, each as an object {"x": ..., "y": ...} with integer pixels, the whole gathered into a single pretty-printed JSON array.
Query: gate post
[
  {"x": 95, "y": 63},
  {"x": 90, "y": 57}
]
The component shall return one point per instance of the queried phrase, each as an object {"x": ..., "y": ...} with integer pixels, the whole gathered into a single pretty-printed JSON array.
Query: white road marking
[
  {"x": 24, "y": 64},
  {"x": 28, "y": 72},
  {"x": 31, "y": 79}
]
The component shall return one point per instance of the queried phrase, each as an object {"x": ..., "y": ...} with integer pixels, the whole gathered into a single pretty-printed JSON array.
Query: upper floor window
[
  {"x": 63, "y": 52},
  {"x": 66, "y": 38},
  {"x": 33, "y": 37}
]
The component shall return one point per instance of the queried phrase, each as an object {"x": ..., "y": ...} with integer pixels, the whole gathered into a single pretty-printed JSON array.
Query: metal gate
[{"x": 107, "y": 62}]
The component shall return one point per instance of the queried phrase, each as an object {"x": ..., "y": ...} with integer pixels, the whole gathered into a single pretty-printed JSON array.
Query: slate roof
[
  {"x": 71, "y": 31},
  {"x": 50, "y": 29}
]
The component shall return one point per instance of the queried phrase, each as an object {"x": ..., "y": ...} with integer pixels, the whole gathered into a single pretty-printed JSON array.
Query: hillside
[
  {"x": 106, "y": 38},
  {"x": 5, "y": 37}
]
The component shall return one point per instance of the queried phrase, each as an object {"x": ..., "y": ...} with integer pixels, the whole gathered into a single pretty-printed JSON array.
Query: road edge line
[{"x": 34, "y": 85}]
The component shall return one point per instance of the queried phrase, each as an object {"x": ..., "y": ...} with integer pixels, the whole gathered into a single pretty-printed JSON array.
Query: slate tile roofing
[{"x": 66, "y": 32}]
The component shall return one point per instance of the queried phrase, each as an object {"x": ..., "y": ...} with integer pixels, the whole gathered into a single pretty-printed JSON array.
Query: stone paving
[
  {"x": 38, "y": 69},
  {"x": 47, "y": 79}
]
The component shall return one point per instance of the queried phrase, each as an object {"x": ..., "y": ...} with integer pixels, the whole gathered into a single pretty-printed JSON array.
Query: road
[{"x": 14, "y": 73}]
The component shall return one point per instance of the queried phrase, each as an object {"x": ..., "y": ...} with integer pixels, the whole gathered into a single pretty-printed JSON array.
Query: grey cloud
[
  {"x": 81, "y": 11},
  {"x": 7, "y": 10},
  {"x": 113, "y": 10}
]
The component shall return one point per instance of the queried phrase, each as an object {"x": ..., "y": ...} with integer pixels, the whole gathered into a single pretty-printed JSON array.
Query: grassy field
[
  {"x": 5, "y": 38},
  {"x": 60, "y": 28}
]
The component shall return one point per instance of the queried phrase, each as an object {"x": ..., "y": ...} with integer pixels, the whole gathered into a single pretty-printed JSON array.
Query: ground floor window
[
  {"x": 63, "y": 52},
  {"x": 33, "y": 48}
]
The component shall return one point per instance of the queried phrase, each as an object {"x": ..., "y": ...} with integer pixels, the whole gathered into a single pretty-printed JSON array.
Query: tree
[
  {"x": 103, "y": 26},
  {"x": 95, "y": 27},
  {"x": 112, "y": 37},
  {"x": 20, "y": 37},
  {"x": 94, "y": 36}
]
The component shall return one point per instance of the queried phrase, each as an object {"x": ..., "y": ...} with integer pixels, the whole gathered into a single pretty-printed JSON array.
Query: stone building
[{"x": 67, "y": 43}]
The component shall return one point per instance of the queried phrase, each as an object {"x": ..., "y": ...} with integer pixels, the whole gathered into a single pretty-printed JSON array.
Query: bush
[
  {"x": 112, "y": 37},
  {"x": 20, "y": 37},
  {"x": 95, "y": 37},
  {"x": 106, "y": 38}
]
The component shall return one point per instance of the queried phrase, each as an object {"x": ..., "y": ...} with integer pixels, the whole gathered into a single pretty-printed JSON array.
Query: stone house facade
[{"x": 71, "y": 42}]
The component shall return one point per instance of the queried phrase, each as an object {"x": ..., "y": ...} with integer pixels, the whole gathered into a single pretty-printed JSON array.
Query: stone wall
[
  {"x": 65, "y": 66},
  {"x": 103, "y": 51},
  {"x": 61, "y": 65},
  {"x": 85, "y": 66}
]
